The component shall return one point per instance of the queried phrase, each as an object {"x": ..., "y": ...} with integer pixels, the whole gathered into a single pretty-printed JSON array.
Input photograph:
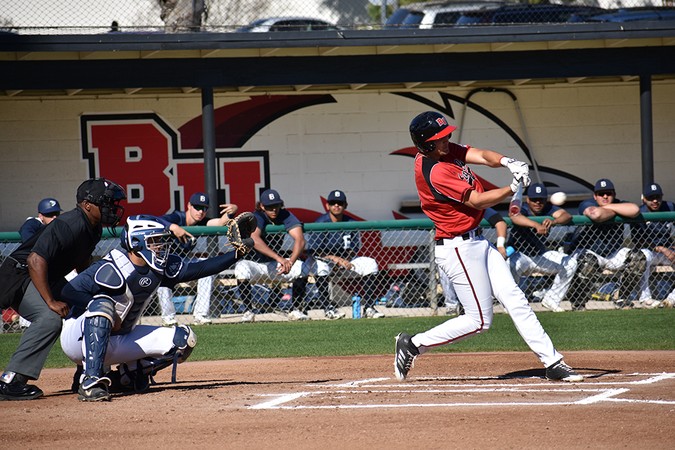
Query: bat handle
[{"x": 516, "y": 201}]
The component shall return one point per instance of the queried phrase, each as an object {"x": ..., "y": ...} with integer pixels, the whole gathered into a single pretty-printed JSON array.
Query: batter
[{"x": 454, "y": 199}]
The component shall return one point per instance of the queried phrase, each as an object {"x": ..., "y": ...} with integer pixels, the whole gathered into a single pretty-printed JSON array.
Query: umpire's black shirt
[{"x": 66, "y": 243}]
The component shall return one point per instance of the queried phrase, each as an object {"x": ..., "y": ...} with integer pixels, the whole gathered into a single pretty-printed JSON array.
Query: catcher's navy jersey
[{"x": 138, "y": 283}]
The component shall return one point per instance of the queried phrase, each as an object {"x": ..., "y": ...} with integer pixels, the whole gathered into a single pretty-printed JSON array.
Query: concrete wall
[{"x": 584, "y": 131}]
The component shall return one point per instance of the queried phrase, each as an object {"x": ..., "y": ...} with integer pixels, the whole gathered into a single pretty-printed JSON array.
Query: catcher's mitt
[{"x": 239, "y": 231}]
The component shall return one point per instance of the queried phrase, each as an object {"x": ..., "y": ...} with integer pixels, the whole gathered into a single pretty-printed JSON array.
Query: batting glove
[
  {"x": 514, "y": 185},
  {"x": 519, "y": 169}
]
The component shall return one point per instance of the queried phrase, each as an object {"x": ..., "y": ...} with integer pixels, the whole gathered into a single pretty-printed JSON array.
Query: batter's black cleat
[
  {"x": 94, "y": 389},
  {"x": 562, "y": 372},
  {"x": 406, "y": 352},
  {"x": 19, "y": 391}
]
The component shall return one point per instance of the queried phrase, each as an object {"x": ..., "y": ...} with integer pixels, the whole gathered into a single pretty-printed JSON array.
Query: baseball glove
[{"x": 239, "y": 232}]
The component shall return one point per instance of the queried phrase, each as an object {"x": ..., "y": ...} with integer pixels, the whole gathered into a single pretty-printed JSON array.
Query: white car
[{"x": 288, "y": 24}]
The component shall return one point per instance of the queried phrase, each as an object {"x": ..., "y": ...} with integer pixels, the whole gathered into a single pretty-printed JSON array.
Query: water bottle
[
  {"x": 510, "y": 251},
  {"x": 356, "y": 306}
]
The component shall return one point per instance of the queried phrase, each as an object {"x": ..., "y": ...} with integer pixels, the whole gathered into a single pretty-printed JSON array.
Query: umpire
[{"x": 32, "y": 275}]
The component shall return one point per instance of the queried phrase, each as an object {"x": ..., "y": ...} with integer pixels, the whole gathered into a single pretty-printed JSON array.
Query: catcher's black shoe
[
  {"x": 94, "y": 389},
  {"x": 562, "y": 372},
  {"x": 75, "y": 386},
  {"x": 406, "y": 352}
]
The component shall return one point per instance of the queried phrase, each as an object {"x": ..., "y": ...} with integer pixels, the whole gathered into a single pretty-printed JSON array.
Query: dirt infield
[{"x": 468, "y": 400}]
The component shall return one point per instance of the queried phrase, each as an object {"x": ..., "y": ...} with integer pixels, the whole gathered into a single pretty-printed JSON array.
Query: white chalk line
[{"x": 603, "y": 395}]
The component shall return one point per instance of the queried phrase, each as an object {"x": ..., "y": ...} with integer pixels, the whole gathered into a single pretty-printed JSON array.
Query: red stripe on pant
[{"x": 480, "y": 310}]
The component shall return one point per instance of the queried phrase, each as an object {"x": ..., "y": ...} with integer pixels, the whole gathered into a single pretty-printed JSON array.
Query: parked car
[
  {"x": 634, "y": 14},
  {"x": 288, "y": 24},
  {"x": 434, "y": 15},
  {"x": 507, "y": 14}
]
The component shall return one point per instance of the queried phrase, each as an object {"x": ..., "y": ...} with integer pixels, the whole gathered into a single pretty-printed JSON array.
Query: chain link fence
[
  {"x": 99, "y": 16},
  {"x": 599, "y": 266}
]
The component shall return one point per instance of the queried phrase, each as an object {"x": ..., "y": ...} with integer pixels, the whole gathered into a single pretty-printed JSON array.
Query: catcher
[{"x": 109, "y": 297}]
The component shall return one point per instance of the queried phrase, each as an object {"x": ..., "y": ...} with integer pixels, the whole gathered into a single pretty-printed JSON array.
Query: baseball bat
[{"x": 516, "y": 200}]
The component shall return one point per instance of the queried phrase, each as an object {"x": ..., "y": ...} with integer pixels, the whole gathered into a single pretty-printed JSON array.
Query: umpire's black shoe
[
  {"x": 406, "y": 352},
  {"x": 18, "y": 390}
]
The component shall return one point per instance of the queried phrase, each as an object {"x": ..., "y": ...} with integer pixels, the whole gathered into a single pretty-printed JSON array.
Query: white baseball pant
[{"x": 478, "y": 271}]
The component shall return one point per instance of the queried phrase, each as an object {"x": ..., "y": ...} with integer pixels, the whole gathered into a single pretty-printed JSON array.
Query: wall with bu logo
[{"x": 306, "y": 145}]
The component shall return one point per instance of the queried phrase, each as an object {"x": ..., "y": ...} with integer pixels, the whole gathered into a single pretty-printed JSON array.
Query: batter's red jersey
[{"x": 442, "y": 186}]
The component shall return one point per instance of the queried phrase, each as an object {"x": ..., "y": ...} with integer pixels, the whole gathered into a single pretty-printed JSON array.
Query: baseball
[{"x": 558, "y": 198}]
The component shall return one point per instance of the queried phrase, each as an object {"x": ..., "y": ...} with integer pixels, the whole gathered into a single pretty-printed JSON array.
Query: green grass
[{"x": 590, "y": 330}]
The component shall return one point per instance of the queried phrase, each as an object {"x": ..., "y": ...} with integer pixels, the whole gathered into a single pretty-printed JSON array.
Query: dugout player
[
  {"x": 267, "y": 263},
  {"x": 194, "y": 215},
  {"x": 110, "y": 296},
  {"x": 33, "y": 275},
  {"x": 48, "y": 210},
  {"x": 454, "y": 199},
  {"x": 339, "y": 249}
]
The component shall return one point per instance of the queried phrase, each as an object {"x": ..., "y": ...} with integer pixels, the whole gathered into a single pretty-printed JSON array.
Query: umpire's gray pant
[{"x": 38, "y": 339}]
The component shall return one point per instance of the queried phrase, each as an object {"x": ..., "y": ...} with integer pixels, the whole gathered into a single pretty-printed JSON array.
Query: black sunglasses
[
  {"x": 336, "y": 202},
  {"x": 272, "y": 207},
  {"x": 200, "y": 207},
  {"x": 651, "y": 198},
  {"x": 605, "y": 193}
]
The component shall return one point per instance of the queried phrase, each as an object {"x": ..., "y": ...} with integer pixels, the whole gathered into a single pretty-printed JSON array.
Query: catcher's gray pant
[
  {"x": 142, "y": 342},
  {"x": 478, "y": 271},
  {"x": 39, "y": 337},
  {"x": 552, "y": 262}
]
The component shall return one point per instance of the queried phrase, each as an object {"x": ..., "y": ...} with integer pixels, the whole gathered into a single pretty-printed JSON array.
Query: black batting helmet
[{"x": 426, "y": 128}]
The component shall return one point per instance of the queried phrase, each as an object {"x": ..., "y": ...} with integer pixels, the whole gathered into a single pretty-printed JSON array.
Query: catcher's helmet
[
  {"x": 426, "y": 128},
  {"x": 148, "y": 238}
]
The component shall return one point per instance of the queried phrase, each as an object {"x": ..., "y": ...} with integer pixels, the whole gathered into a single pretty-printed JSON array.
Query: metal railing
[{"x": 406, "y": 282}]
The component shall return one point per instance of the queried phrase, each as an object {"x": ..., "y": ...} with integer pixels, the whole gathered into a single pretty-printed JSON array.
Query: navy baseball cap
[
  {"x": 652, "y": 189},
  {"x": 199, "y": 199},
  {"x": 337, "y": 196},
  {"x": 48, "y": 206},
  {"x": 537, "y": 190},
  {"x": 603, "y": 184},
  {"x": 270, "y": 197}
]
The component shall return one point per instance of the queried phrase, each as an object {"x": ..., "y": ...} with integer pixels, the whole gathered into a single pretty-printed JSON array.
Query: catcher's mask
[
  {"x": 426, "y": 128},
  {"x": 148, "y": 238}
]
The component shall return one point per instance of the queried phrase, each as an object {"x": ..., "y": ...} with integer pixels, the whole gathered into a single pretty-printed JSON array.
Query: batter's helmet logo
[{"x": 441, "y": 122}]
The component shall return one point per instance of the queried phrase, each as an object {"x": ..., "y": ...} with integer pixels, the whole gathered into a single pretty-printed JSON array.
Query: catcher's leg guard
[{"x": 97, "y": 326}]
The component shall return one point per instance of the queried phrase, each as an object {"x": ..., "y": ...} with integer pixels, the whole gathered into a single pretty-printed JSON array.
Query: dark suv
[
  {"x": 527, "y": 14},
  {"x": 634, "y": 14}
]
